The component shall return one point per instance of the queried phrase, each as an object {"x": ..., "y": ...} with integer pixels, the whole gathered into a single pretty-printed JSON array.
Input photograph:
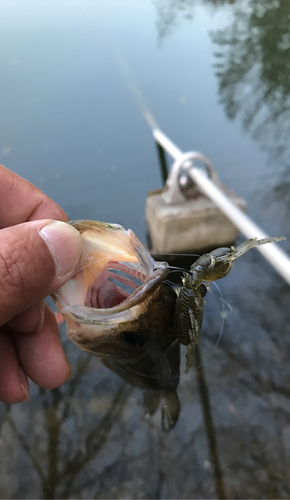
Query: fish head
[{"x": 117, "y": 307}]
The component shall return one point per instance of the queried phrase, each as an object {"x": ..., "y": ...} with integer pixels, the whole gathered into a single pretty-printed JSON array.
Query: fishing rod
[{"x": 273, "y": 253}]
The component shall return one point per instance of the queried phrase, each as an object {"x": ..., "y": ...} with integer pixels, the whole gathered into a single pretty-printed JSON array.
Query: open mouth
[
  {"x": 114, "y": 287},
  {"x": 115, "y": 273},
  {"x": 116, "y": 282}
]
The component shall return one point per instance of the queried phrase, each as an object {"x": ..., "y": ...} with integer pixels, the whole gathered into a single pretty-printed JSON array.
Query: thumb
[{"x": 36, "y": 258}]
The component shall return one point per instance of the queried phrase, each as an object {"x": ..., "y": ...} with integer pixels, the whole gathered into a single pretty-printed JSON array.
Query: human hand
[{"x": 37, "y": 255}]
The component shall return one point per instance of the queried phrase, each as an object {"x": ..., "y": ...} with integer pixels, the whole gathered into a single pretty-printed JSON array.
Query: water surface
[{"x": 215, "y": 76}]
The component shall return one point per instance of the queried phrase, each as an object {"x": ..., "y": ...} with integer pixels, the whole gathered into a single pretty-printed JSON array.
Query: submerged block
[{"x": 193, "y": 225}]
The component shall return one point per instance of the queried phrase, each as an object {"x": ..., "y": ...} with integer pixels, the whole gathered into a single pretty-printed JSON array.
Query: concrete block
[{"x": 193, "y": 225}]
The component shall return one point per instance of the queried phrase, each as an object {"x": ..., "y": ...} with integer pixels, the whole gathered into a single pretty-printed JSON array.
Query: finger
[
  {"x": 14, "y": 386},
  {"x": 41, "y": 354},
  {"x": 20, "y": 201},
  {"x": 28, "y": 321},
  {"x": 36, "y": 258}
]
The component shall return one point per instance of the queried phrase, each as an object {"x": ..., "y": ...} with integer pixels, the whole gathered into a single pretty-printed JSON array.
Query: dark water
[{"x": 215, "y": 74}]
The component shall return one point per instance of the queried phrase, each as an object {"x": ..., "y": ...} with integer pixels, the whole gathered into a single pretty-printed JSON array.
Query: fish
[{"x": 118, "y": 308}]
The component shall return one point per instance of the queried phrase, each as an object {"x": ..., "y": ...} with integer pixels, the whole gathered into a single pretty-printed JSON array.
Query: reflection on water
[
  {"x": 57, "y": 438},
  {"x": 91, "y": 438},
  {"x": 252, "y": 67},
  {"x": 63, "y": 126},
  {"x": 169, "y": 13}
]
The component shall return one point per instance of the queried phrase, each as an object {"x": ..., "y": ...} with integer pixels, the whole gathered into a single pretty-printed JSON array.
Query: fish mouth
[
  {"x": 120, "y": 282},
  {"x": 115, "y": 283},
  {"x": 114, "y": 274}
]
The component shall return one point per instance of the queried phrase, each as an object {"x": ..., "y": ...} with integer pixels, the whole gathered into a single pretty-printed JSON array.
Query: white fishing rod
[
  {"x": 272, "y": 252},
  {"x": 277, "y": 257}
]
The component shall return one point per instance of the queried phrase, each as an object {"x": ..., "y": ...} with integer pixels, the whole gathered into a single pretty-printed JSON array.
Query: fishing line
[
  {"x": 173, "y": 269},
  {"x": 170, "y": 254},
  {"x": 171, "y": 284},
  {"x": 223, "y": 314},
  {"x": 135, "y": 89}
]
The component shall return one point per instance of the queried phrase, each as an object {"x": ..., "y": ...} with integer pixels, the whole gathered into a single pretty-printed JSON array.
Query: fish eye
[
  {"x": 203, "y": 290},
  {"x": 132, "y": 339}
]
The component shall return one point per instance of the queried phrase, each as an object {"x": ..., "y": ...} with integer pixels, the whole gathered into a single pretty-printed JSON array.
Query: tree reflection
[
  {"x": 90, "y": 439},
  {"x": 171, "y": 12},
  {"x": 252, "y": 67},
  {"x": 59, "y": 437},
  {"x": 252, "y": 64}
]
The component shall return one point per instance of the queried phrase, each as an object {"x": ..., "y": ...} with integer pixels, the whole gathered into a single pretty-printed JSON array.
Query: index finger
[{"x": 20, "y": 201}]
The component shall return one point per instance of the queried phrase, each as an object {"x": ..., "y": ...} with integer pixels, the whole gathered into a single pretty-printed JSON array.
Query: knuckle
[{"x": 18, "y": 267}]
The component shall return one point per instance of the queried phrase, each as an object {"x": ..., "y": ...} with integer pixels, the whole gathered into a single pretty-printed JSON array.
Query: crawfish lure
[{"x": 189, "y": 305}]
